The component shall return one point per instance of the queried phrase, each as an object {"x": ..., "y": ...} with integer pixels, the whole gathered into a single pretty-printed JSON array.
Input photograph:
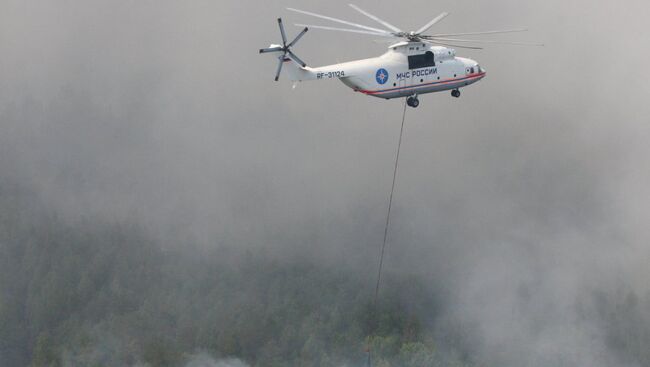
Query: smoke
[
  {"x": 204, "y": 360},
  {"x": 524, "y": 204}
]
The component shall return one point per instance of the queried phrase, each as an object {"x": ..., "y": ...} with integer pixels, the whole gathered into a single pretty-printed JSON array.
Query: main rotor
[{"x": 391, "y": 31}]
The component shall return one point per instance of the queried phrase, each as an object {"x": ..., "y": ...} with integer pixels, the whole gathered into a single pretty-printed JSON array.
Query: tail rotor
[{"x": 285, "y": 49}]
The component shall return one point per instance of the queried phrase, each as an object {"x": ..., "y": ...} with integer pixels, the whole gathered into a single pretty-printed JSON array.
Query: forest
[
  {"x": 96, "y": 293},
  {"x": 104, "y": 294}
]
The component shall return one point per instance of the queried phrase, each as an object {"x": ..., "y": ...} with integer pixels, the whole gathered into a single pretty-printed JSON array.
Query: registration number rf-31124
[{"x": 330, "y": 74}]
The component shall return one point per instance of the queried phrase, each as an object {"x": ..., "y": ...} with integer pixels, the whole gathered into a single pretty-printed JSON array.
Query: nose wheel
[
  {"x": 413, "y": 101},
  {"x": 455, "y": 93}
]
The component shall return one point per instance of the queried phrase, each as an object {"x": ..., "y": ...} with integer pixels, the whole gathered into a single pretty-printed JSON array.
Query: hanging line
[{"x": 383, "y": 246}]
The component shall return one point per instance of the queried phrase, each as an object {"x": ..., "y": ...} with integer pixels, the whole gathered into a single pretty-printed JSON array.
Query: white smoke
[{"x": 205, "y": 360}]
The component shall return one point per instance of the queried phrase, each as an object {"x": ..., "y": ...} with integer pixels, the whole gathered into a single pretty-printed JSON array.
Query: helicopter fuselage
[{"x": 407, "y": 69}]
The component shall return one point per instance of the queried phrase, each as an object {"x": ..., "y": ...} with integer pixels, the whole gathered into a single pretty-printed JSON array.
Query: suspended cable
[{"x": 390, "y": 204}]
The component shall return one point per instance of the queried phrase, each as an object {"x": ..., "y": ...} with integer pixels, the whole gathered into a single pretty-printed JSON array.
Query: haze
[{"x": 521, "y": 207}]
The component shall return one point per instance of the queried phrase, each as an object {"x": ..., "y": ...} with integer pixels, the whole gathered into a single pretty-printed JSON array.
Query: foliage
[{"x": 92, "y": 293}]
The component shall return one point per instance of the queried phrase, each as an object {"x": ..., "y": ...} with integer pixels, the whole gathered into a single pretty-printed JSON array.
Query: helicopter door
[{"x": 402, "y": 83}]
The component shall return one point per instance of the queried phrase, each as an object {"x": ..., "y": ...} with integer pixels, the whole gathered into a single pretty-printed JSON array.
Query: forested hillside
[
  {"x": 95, "y": 293},
  {"x": 104, "y": 294}
]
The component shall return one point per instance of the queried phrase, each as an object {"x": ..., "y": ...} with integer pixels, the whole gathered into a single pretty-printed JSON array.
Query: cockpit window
[{"x": 421, "y": 61}]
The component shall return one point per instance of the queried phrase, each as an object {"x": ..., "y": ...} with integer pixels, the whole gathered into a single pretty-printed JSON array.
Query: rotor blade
[
  {"x": 338, "y": 21},
  {"x": 376, "y": 19},
  {"x": 478, "y": 33},
  {"x": 346, "y": 30},
  {"x": 296, "y": 59},
  {"x": 432, "y": 23},
  {"x": 284, "y": 36},
  {"x": 272, "y": 49},
  {"x": 486, "y": 41},
  {"x": 281, "y": 61},
  {"x": 385, "y": 40},
  {"x": 299, "y": 36},
  {"x": 451, "y": 45}
]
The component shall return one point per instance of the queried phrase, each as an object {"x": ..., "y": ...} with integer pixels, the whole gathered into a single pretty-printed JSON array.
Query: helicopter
[{"x": 417, "y": 64}]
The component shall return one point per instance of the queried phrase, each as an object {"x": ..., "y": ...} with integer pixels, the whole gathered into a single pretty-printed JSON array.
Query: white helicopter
[{"x": 418, "y": 65}]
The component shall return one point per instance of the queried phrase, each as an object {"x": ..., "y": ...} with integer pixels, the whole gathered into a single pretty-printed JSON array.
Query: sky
[{"x": 522, "y": 197}]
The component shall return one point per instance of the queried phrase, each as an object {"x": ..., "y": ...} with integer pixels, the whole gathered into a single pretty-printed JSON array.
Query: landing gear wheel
[
  {"x": 412, "y": 102},
  {"x": 455, "y": 93}
]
